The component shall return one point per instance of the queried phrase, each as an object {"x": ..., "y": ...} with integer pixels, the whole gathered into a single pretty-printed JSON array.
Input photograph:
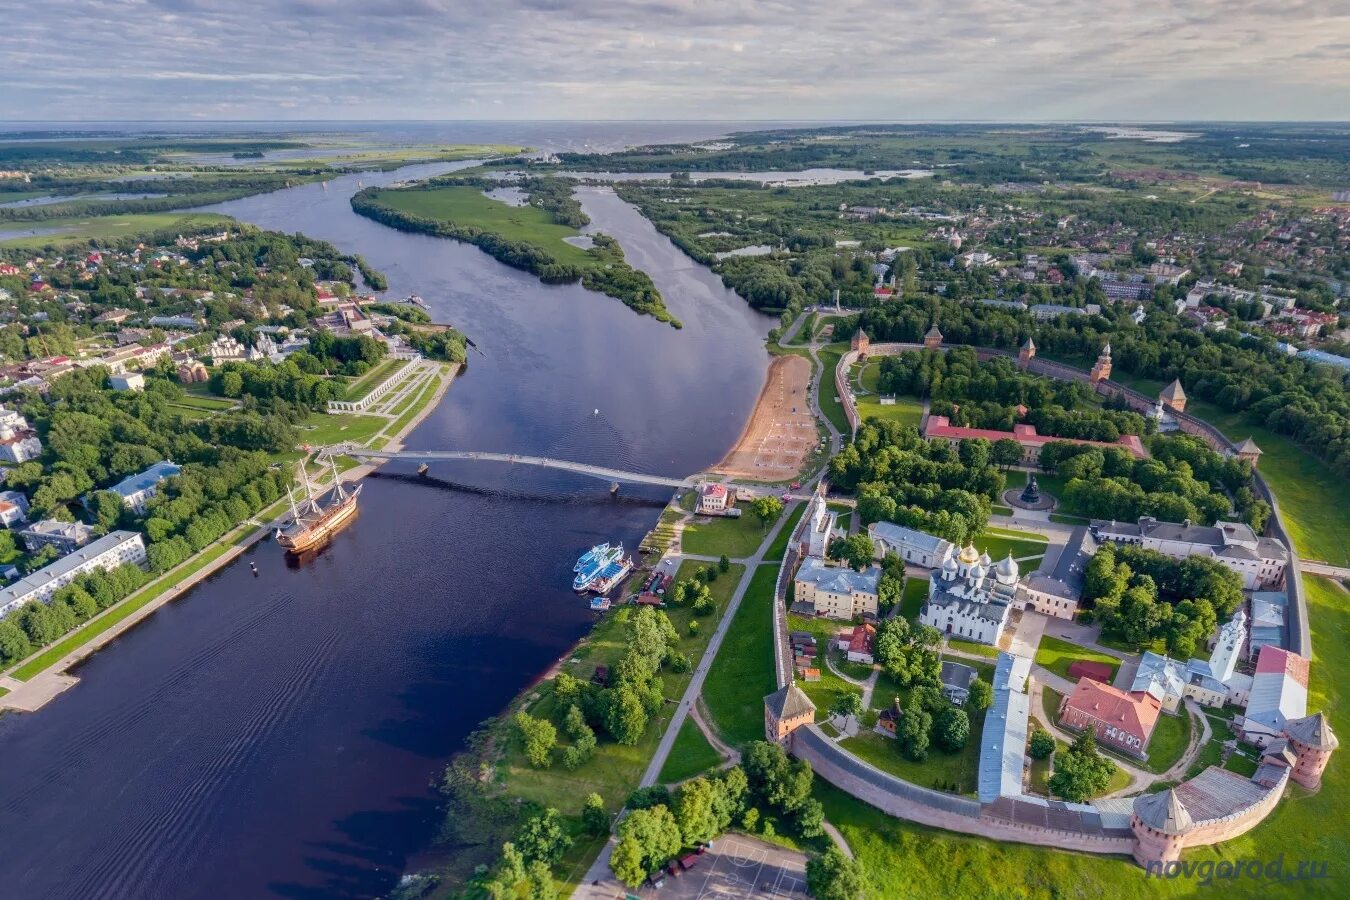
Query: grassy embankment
[
  {"x": 78, "y": 230},
  {"x": 830, "y": 404},
  {"x": 737, "y": 538}
]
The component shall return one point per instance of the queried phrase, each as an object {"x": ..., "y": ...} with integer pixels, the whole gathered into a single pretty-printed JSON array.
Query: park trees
[
  {"x": 981, "y": 695},
  {"x": 951, "y": 728},
  {"x": 1080, "y": 771},
  {"x": 833, "y": 876},
  {"x": 855, "y": 550},
  {"x": 538, "y": 737},
  {"x": 767, "y": 509},
  {"x": 594, "y": 817},
  {"x": 647, "y": 838},
  {"x": 1041, "y": 744},
  {"x": 544, "y": 838}
]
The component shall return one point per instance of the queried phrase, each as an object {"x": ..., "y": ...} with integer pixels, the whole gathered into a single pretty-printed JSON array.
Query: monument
[{"x": 1031, "y": 494}]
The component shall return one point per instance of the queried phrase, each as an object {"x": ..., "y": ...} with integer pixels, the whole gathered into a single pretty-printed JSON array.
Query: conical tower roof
[
  {"x": 1312, "y": 731},
  {"x": 1164, "y": 812}
]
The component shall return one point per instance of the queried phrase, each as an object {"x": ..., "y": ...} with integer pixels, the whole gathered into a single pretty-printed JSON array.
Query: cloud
[{"x": 680, "y": 59}]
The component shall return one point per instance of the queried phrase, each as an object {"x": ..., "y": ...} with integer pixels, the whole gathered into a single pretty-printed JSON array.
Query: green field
[
  {"x": 1057, "y": 655},
  {"x": 469, "y": 206},
  {"x": 323, "y": 429},
  {"x": 830, "y": 403},
  {"x": 742, "y": 674},
  {"x": 778, "y": 549},
  {"x": 415, "y": 408},
  {"x": 362, "y": 386},
  {"x": 690, "y": 755},
  {"x": 82, "y": 229},
  {"x": 1170, "y": 738},
  {"x": 905, "y": 410},
  {"x": 207, "y": 403},
  {"x": 737, "y": 538},
  {"x": 913, "y": 597}
]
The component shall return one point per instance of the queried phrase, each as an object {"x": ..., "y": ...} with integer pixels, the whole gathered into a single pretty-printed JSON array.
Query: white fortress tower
[{"x": 1223, "y": 660}]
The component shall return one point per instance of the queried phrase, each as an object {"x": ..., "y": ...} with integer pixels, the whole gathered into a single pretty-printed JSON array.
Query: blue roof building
[{"x": 136, "y": 489}]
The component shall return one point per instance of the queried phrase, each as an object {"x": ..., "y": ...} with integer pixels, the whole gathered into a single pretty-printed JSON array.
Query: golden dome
[{"x": 969, "y": 555}]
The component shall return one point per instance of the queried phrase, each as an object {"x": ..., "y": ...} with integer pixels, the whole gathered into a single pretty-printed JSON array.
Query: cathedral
[{"x": 970, "y": 596}]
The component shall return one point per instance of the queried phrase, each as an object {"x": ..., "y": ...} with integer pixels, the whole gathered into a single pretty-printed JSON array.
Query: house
[
  {"x": 956, "y": 681},
  {"x": 132, "y": 381},
  {"x": 1260, "y": 561},
  {"x": 64, "y": 536},
  {"x": 939, "y": 428},
  {"x": 1120, "y": 720},
  {"x": 113, "y": 316},
  {"x": 1279, "y": 695},
  {"x": 834, "y": 591},
  {"x": 857, "y": 643},
  {"x": 108, "y": 552},
  {"x": 713, "y": 499},
  {"x": 914, "y": 547},
  {"x": 18, "y": 442},
  {"x": 888, "y": 719},
  {"x": 135, "y": 490},
  {"x": 970, "y": 597},
  {"x": 1049, "y": 596},
  {"x": 13, "y": 508}
]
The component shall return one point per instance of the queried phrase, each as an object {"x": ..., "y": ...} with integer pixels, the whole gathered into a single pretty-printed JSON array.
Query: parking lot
[{"x": 738, "y": 867}]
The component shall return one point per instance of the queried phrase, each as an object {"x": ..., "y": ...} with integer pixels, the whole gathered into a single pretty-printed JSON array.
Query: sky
[{"x": 893, "y": 60}]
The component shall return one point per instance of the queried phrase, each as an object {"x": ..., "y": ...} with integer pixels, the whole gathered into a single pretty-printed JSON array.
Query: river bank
[{"x": 34, "y": 682}]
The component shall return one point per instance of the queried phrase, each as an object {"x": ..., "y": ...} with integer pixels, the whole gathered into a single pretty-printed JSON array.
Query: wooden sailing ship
[{"x": 314, "y": 519}]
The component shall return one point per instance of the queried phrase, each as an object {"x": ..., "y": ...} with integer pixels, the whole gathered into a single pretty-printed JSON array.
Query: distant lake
[{"x": 47, "y": 201}]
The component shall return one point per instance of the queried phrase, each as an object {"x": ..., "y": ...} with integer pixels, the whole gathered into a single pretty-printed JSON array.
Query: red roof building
[
  {"x": 940, "y": 428},
  {"x": 1123, "y": 721}
]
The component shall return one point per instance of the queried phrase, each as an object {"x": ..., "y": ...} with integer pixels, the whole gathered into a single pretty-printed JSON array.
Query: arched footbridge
[{"x": 601, "y": 472}]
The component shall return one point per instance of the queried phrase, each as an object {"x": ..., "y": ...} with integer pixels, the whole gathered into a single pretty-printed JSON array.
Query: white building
[
  {"x": 970, "y": 597},
  {"x": 136, "y": 489},
  {"x": 914, "y": 547},
  {"x": 821, "y": 522},
  {"x": 18, "y": 442},
  {"x": 13, "y": 508},
  {"x": 836, "y": 591},
  {"x": 713, "y": 498},
  {"x": 64, "y": 536},
  {"x": 132, "y": 381},
  {"x": 226, "y": 349},
  {"x": 1259, "y": 560},
  {"x": 108, "y": 552},
  {"x": 1049, "y": 596},
  {"x": 1212, "y": 683}
]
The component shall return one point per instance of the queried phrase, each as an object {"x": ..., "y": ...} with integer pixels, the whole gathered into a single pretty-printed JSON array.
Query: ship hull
[{"x": 333, "y": 521}]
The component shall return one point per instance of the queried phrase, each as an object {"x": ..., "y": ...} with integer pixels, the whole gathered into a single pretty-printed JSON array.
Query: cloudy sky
[{"x": 675, "y": 59}]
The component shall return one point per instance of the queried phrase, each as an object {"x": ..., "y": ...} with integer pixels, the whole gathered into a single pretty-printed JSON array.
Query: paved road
[{"x": 1311, "y": 567}]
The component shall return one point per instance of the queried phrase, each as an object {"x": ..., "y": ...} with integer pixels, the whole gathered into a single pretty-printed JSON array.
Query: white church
[{"x": 970, "y": 596}]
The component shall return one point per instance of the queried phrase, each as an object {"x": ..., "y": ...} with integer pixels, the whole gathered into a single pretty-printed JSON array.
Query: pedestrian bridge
[{"x": 601, "y": 472}]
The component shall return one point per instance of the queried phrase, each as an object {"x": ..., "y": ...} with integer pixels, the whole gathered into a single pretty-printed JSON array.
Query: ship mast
[{"x": 339, "y": 493}]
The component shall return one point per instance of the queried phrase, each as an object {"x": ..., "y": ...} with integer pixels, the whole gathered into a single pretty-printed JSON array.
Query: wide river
[{"x": 279, "y": 735}]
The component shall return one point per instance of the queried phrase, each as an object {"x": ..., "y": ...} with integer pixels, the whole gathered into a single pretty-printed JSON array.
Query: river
[{"x": 277, "y": 735}]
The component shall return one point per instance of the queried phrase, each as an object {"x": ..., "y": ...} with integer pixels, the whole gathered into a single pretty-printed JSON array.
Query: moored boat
[
  {"x": 314, "y": 520},
  {"x": 597, "y": 566}
]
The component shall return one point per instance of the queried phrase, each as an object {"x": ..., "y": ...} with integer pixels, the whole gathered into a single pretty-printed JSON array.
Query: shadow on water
[{"x": 445, "y": 484}]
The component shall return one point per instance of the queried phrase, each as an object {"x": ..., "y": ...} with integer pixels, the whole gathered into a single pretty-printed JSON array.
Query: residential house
[
  {"x": 64, "y": 536},
  {"x": 13, "y": 508},
  {"x": 857, "y": 643},
  {"x": 108, "y": 552},
  {"x": 713, "y": 499},
  {"x": 136, "y": 490}
]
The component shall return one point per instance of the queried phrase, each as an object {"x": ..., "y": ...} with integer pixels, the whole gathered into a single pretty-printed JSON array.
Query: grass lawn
[
  {"x": 939, "y": 771},
  {"x": 415, "y": 408},
  {"x": 998, "y": 547},
  {"x": 778, "y": 549},
  {"x": 470, "y": 206},
  {"x": 690, "y": 755},
  {"x": 1050, "y": 701},
  {"x": 912, "y": 598},
  {"x": 973, "y": 647},
  {"x": 905, "y": 410},
  {"x": 742, "y": 674},
  {"x": 830, "y": 403},
  {"x": 737, "y": 538},
  {"x": 1171, "y": 737},
  {"x": 1057, "y": 655},
  {"x": 321, "y": 428},
  {"x": 358, "y": 389},
  {"x": 209, "y": 403},
  {"x": 82, "y": 229}
]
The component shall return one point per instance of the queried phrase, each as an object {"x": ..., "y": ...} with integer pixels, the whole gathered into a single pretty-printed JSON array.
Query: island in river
[{"x": 541, "y": 235}]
